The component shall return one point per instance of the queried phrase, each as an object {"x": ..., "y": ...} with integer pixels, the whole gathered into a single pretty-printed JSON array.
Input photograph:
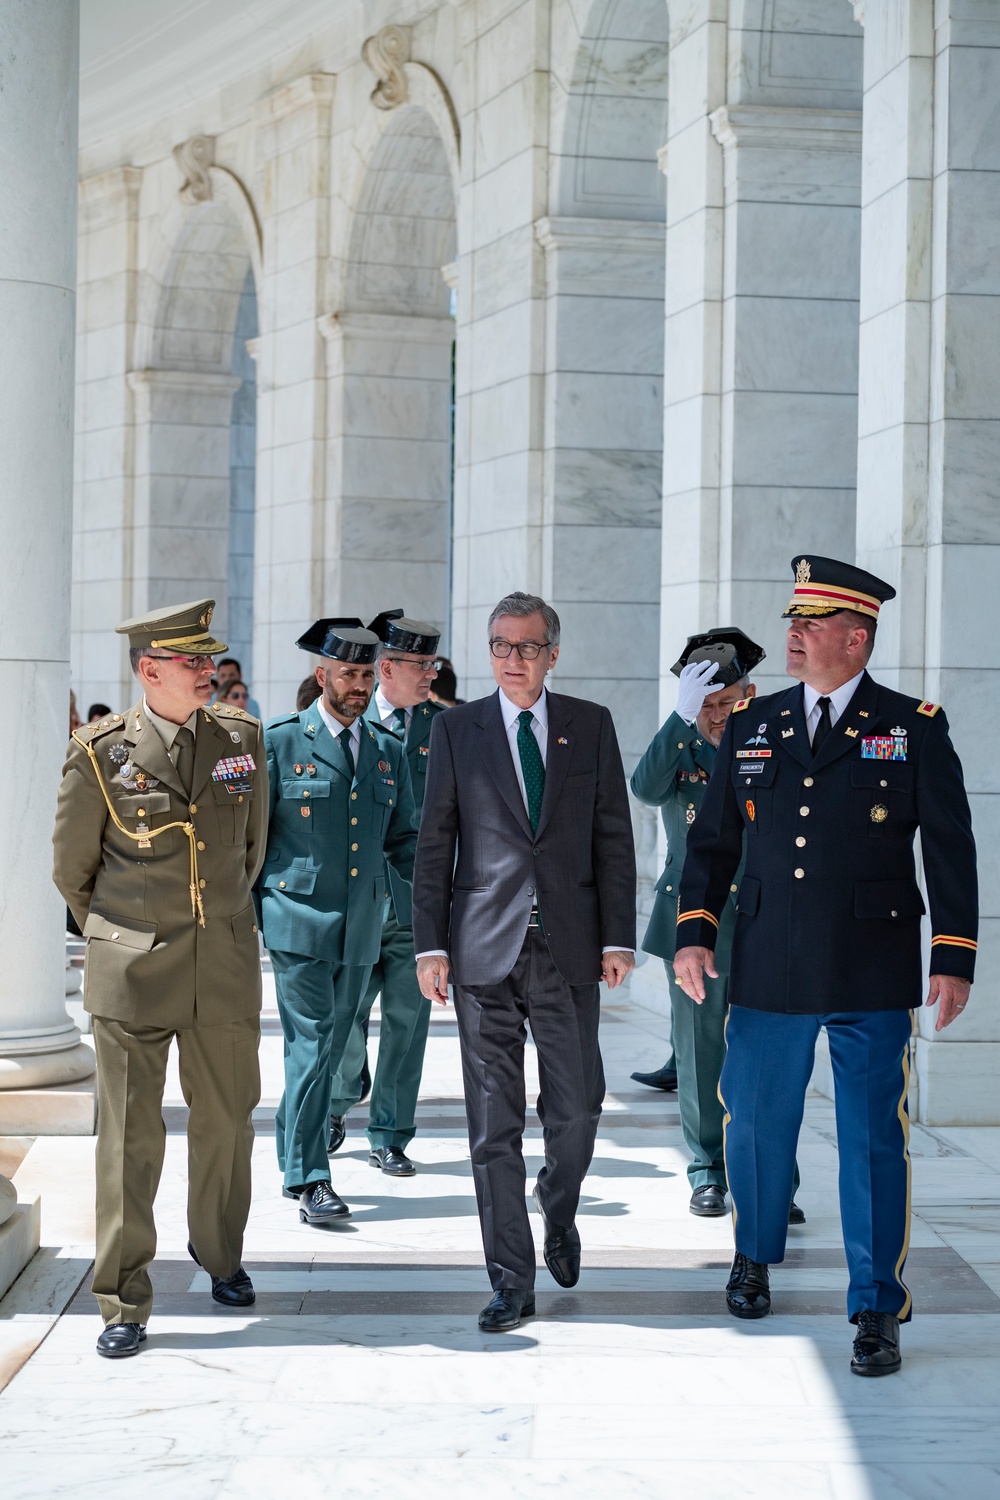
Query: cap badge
[
  {"x": 205, "y": 618},
  {"x": 803, "y": 572}
]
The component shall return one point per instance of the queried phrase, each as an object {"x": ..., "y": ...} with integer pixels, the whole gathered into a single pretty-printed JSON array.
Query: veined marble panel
[
  {"x": 896, "y": 247},
  {"x": 794, "y": 343},
  {"x": 965, "y": 493},
  {"x": 794, "y": 439}
]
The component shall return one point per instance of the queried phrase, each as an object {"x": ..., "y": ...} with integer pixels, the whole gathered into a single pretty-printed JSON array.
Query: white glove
[{"x": 695, "y": 686}]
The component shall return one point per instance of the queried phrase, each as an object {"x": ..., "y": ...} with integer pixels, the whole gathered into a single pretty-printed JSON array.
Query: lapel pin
[
  {"x": 786, "y": 734},
  {"x": 864, "y": 713},
  {"x": 561, "y": 741},
  {"x": 298, "y": 770},
  {"x": 310, "y": 769},
  {"x": 384, "y": 765}
]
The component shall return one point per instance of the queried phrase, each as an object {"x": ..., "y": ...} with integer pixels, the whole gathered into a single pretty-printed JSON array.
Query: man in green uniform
[
  {"x": 159, "y": 837},
  {"x": 341, "y": 805},
  {"x": 673, "y": 774},
  {"x": 406, "y": 667}
]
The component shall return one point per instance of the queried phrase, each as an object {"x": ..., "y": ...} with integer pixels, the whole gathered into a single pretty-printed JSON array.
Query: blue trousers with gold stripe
[{"x": 769, "y": 1059}]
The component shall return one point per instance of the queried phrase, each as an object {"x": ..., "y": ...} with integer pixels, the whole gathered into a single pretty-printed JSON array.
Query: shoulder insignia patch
[
  {"x": 87, "y": 733},
  {"x": 281, "y": 719},
  {"x": 743, "y": 703},
  {"x": 928, "y": 709},
  {"x": 230, "y": 711}
]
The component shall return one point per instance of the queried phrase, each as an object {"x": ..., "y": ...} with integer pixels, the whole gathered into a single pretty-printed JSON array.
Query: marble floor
[{"x": 361, "y": 1370}]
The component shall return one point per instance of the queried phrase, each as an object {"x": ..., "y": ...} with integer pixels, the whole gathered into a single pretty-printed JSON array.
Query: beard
[{"x": 349, "y": 707}]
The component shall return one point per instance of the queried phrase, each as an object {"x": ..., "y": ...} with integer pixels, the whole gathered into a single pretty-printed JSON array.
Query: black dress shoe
[
  {"x": 795, "y": 1214},
  {"x": 876, "y": 1344},
  {"x": 231, "y": 1291},
  {"x": 338, "y": 1133},
  {"x": 319, "y": 1204},
  {"x": 560, "y": 1248},
  {"x": 119, "y": 1340},
  {"x": 663, "y": 1078},
  {"x": 748, "y": 1290},
  {"x": 392, "y": 1160},
  {"x": 366, "y": 1080},
  {"x": 708, "y": 1202},
  {"x": 509, "y": 1305}
]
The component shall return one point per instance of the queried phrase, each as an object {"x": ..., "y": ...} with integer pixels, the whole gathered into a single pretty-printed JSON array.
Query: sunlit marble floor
[{"x": 361, "y": 1369}]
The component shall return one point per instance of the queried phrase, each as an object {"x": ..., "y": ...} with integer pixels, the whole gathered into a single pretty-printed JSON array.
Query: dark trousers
[
  {"x": 769, "y": 1060},
  {"x": 220, "y": 1080},
  {"x": 564, "y": 1024},
  {"x": 318, "y": 1003}
]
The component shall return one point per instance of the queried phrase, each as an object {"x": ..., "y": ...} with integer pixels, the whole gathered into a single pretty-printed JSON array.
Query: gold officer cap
[{"x": 181, "y": 628}]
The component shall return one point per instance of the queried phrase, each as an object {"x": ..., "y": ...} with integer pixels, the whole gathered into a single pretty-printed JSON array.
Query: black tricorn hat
[
  {"x": 400, "y": 634},
  {"x": 734, "y": 653},
  {"x": 343, "y": 639}
]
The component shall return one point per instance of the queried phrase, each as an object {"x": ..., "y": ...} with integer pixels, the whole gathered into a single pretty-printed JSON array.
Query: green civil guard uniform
[
  {"x": 673, "y": 775},
  {"x": 322, "y": 895},
  {"x": 158, "y": 871},
  {"x": 405, "y": 1014}
]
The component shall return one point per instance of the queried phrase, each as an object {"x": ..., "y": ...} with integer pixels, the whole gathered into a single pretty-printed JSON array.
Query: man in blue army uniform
[
  {"x": 341, "y": 805},
  {"x": 158, "y": 840},
  {"x": 405, "y": 667},
  {"x": 714, "y": 670},
  {"x": 827, "y": 784}
]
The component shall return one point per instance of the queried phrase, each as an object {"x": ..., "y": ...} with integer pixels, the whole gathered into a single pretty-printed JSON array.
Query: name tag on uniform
[
  {"x": 234, "y": 772},
  {"x": 752, "y": 768}
]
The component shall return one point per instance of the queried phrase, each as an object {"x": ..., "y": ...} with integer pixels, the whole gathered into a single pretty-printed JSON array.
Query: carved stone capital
[
  {"x": 387, "y": 53},
  {"x": 195, "y": 157}
]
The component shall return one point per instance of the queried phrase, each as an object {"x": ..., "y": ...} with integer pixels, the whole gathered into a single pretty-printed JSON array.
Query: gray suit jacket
[{"x": 479, "y": 867}]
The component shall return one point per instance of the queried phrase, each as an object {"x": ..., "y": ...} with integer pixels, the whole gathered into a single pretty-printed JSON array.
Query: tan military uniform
[{"x": 172, "y": 950}]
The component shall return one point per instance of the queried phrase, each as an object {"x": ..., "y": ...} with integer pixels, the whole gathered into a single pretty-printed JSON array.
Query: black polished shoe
[
  {"x": 748, "y": 1290},
  {"x": 366, "y": 1080},
  {"x": 663, "y": 1078},
  {"x": 319, "y": 1204},
  {"x": 876, "y": 1345},
  {"x": 119, "y": 1340},
  {"x": 795, "y": 1214},
  {"x": 560, "y": 1248},
  {"x": 509, "y": 1305},
  {"x": 392, "y": 1160},
  {"x": 708, "y": 1202},
  {"x": 231, "y": 1291},
  {"x": 338, "y": 1133}
]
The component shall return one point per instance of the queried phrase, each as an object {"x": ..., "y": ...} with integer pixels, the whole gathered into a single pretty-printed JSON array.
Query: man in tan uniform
[{"x": 160, "y": 834}]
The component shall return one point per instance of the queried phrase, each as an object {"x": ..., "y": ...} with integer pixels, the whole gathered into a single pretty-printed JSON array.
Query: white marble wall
[
  {"x": 929, "y": 451},
  {"x": 243, "y": 484}
]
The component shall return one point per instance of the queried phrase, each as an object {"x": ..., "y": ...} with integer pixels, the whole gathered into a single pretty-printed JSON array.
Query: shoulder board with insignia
[
  {"x": 928, "y": 709},
  {"x": 743, "y": 703},
  {"x": 281, "y": 719},
  {"x": 87, "y": 733}
]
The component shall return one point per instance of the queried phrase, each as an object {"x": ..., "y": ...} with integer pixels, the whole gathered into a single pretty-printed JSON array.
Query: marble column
[
  {"x": 39, "y": 41},
  {"x": 929, "y": 437}
]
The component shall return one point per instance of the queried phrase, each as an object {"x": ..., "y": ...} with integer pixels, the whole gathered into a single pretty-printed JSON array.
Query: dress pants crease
[{"x": 493, "y": 1021}]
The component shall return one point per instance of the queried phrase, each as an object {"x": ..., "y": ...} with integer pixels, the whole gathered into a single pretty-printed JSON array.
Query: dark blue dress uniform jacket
[{"x": 829, "y": 909}]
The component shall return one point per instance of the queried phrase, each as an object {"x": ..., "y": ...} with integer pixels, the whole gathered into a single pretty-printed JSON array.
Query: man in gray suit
[{"x": 524, "y": 895}]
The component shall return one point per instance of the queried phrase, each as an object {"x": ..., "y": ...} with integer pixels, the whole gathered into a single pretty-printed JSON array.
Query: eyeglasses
[
  {"x": 429, "y": 664},
  {"x": 193, "y": 663},
  {"x": 526, "y": 650}
]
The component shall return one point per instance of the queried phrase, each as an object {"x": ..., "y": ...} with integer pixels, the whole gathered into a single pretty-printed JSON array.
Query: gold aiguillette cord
[{"x": 197, "y": 909}]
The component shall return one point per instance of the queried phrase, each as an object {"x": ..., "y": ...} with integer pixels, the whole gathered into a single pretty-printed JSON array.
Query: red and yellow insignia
[
  {"x": 743, "y": 703},
  {"x": 928, "y": 709},
  {"x": 751, "y": 809}
]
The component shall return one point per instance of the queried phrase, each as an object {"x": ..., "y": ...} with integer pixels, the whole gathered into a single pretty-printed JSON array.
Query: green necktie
[
  {"x": 399, "y": 721},
  {"x": 532, "y": 765},
  {"x": 184, "y": 740},
  {"x": 345, "y": 739}
]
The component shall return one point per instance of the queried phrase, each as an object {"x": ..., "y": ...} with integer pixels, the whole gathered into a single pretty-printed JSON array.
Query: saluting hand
[
  {"x": 432, "y": 977},
  {"x": 953, "y": 994},
  {"x": 690, "y": 966}
]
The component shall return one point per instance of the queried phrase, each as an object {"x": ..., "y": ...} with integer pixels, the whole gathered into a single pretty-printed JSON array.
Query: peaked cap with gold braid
[
  {"x": 823, "y": 586},
  {"x": 182, "y": 628}
]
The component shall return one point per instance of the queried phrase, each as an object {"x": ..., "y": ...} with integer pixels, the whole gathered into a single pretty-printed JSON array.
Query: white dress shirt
[
  {"x": 336, "y": 728},
  {"x": 839, "y": 699},
  {"x": 168, "y": 730},
  {"x": 387, "y": 711}
]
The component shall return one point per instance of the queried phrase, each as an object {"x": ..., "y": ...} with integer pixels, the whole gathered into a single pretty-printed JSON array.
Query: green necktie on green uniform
[
  {"x": 399, "y": 721},
  {"x": 532, "y": 765},
  {"x": 345, "y": 739},
  {"x": 184, "y": 764}
]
